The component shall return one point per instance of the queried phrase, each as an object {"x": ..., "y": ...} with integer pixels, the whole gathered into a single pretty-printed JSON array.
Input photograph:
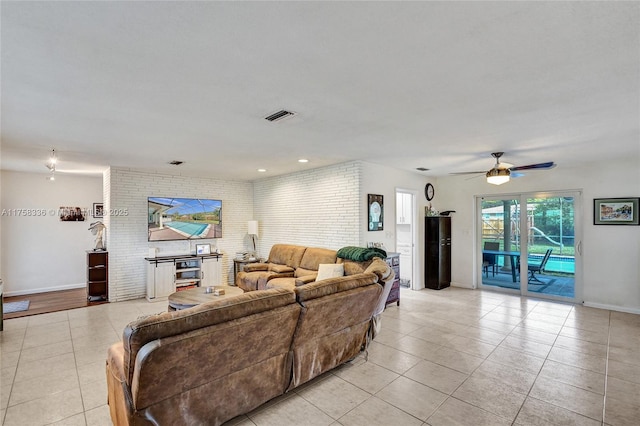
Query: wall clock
[{"x": 429, "y": 192}]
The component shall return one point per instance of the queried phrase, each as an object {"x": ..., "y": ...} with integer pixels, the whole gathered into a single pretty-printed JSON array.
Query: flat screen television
[{"x": 173, "y": 219}]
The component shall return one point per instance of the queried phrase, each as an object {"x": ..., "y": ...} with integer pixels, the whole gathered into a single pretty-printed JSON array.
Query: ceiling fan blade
[
  {"x": 467, "y": 173},
  {"x": 545, "y": 166}
]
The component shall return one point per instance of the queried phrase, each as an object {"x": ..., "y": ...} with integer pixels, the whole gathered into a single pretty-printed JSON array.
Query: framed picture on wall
[
  {"x": 98, "y": 210},
  {"x": 72, "y": 214},
  {"x": 375, "y": 212},
  {"x": 615, "y": 211}
]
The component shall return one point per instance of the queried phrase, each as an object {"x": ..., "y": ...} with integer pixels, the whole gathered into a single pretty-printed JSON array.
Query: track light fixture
[{"x": 51, "y": 165}]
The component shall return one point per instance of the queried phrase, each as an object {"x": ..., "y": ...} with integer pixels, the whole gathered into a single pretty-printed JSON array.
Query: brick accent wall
[
  {"x": 127, "y": 234},
  {"x": 318, "y": 207}
]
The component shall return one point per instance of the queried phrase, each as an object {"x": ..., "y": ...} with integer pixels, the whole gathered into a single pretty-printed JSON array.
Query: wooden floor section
[{"x": 53, "y": 301}]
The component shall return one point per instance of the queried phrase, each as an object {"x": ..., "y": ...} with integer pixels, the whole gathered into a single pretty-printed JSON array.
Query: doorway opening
[{"x": 405, "y": 235}]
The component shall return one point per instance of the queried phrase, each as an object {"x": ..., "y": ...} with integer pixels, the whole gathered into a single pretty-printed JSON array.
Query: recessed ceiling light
[
  {"x": 262, "y": 170},
  {"x": 303, "y": 160}
]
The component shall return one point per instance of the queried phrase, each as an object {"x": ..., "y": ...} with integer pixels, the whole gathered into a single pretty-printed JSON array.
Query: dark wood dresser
[
  {"x": 97, "y": 275},
  {"x": 393, "y": 260}
]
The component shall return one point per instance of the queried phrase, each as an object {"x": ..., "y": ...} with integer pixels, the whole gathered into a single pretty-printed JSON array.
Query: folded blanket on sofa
[{"x": 361, "y": 254}]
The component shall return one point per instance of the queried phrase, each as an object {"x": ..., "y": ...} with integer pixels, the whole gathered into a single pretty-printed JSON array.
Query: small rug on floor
[{"x": 10, "y": 307}]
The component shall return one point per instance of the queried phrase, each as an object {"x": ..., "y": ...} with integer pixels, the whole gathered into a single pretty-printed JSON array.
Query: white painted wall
[
  {"x": 41, "y": 253},
  {"x": 610, "y": 253},
  {"x": 127, "y": 234}
]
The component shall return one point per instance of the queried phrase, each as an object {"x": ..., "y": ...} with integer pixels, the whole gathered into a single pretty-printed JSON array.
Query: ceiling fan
[{"x": 502, "y": 172}]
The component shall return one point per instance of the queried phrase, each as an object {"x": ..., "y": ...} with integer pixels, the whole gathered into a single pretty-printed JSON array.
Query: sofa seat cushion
[
  {"x": 282, "y": 282},
  {"x": 279, "y": 269},
  {"x": 301, "y": 272}
]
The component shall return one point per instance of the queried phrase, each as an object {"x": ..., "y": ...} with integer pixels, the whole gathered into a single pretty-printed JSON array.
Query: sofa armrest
[
  {"x": 281, "y": 269},
  {"x": 282, "y": 275},
  {"x": 252, "y": 267},
  {"x": 305, "y": 280},
  {"x": 381, "y": 269}
]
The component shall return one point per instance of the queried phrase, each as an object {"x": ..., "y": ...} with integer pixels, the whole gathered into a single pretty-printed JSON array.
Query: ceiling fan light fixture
[{"x": 497, "y": 176}]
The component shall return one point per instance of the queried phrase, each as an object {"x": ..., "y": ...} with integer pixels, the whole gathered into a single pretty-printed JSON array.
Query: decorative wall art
[
  {"x": 72, "y": 214},
  {"x": 615, "y": 211},
  {"x": 375, "y": 210},
  {"x": 98, "y": 209}
]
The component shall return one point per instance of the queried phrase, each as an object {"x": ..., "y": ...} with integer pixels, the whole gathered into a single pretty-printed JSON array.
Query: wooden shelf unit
[{"x": 97, "y": 275}]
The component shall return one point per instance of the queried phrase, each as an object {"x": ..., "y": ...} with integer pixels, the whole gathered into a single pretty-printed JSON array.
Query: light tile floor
[{"x": 449, "y": 357}]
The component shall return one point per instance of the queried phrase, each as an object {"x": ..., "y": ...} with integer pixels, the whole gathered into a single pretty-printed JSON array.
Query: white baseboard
[
  {"x": 43, "y": 289},
  {"x": 612, "y": 307}
]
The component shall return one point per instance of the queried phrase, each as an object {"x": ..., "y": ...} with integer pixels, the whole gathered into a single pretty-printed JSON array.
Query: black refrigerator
[{"x": 437, "y": 252}]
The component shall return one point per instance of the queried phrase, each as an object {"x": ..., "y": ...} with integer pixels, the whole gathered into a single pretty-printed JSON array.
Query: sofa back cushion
[
  {"x": 332, "y": 328},
  {"x": 312, "y": 258},
  {"x": 286, "y": 254},
  {"x": 140, "y": 332},
  {"x": 210, "y": 375}
]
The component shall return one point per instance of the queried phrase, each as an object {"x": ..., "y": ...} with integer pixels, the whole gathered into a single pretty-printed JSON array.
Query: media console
[{"x": 168, "y": 274}]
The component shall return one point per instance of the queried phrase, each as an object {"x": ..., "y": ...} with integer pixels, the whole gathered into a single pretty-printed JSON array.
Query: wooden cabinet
[
  {"x": 393, "y": 260},
  {"x": 160, "y": 280},
  {"x": 437, "y": 248},
  {"x": 168, "y": 274},
  {"x": 97, "y": 275},
  {"x": 210, "y": 272}
]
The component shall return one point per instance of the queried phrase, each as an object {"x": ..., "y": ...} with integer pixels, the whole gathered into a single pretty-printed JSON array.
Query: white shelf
[{"x": 187, "y": 269}]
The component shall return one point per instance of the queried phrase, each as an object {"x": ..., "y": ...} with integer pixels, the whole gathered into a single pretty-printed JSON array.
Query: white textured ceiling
[{"x": 408, "y": 84}]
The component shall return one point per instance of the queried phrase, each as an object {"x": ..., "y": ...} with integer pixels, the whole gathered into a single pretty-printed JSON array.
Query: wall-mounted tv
[{"x": 184, "y": 218}]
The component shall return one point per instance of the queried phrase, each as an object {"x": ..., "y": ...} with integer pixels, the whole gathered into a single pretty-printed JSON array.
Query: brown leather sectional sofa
[
  {"x": 218, "y": 360},
  {"x": 286, "y": 264}
]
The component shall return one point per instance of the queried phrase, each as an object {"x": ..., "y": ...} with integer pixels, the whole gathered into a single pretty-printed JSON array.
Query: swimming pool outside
[
  {"x": 563, "y": 264},
  {"x": 188, "y": 227}
]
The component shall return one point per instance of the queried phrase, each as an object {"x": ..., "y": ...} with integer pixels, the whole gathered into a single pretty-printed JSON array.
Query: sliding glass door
[
  {"x": 529, "y": 244},
  {"x": 500, "y": 242},
  {"x": 551, "y": 245}
]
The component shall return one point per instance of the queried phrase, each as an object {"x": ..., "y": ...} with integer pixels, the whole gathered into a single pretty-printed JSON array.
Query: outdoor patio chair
[
  {"x": 489, "y": 259},
  {"x": 538, "y": 268}
]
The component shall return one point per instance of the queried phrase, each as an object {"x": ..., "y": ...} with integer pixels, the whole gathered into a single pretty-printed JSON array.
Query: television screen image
[{"x": 184, "y": 219}]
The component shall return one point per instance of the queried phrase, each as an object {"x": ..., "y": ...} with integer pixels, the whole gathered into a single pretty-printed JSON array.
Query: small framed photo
[
  {"x": 375, "y": 212},
  {"x": 203, "y": 248},
  {"x": 98, "y": 209},
  {"x": 615, "y": 211}
]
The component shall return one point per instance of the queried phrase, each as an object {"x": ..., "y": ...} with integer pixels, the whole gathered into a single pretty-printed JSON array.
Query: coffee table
[{"x": 195, "y": 296}]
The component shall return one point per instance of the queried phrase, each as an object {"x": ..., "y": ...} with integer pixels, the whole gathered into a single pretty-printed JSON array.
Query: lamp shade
[
  {"x": 498, "y": 176},
  {"x": 252, "y": 227}
]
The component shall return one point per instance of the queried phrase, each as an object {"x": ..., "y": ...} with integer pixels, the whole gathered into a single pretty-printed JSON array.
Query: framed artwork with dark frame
[
  {"x": 375, "y": 212},
  {"x": 98, "y": 209},
  {"x": 615, "y": 211}
]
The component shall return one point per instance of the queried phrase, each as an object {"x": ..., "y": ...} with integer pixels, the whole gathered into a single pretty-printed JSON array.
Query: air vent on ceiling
[
  {"x": 280, "y": 115},
  {"x": 422, "y": 169},
  {"x": 176, "y": 162}
]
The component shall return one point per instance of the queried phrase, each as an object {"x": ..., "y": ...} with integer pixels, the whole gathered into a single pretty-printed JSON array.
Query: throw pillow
[{"x": 329, "y": 270}]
